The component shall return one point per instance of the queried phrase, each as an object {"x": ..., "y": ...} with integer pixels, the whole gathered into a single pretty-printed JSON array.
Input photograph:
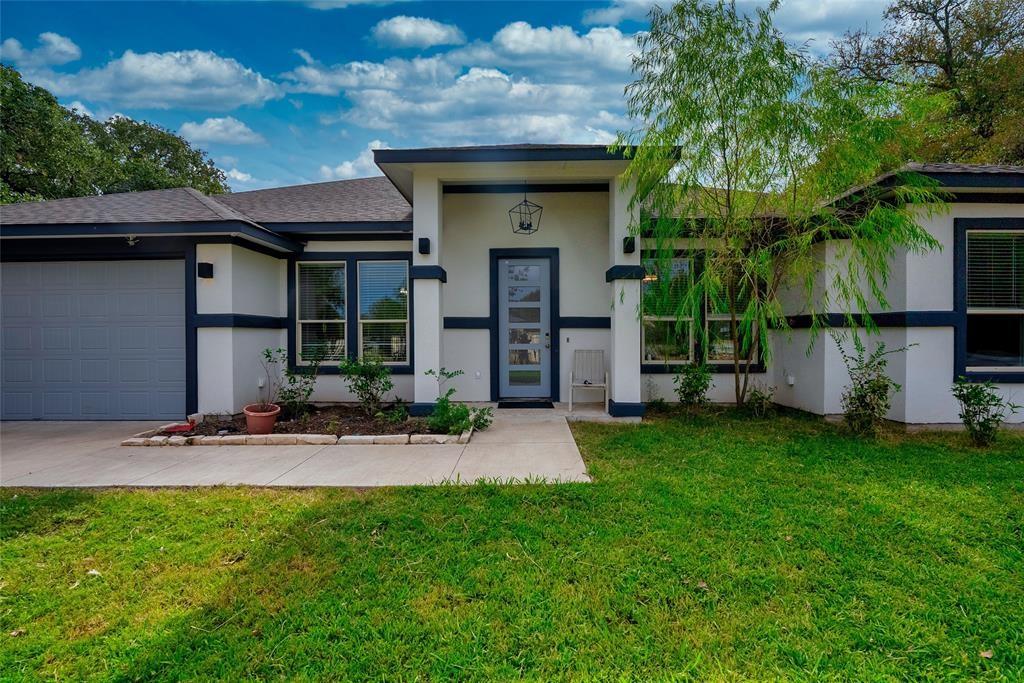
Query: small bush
[
  {"x": 982, "y": 410},
  {"x": 396, "y": 414},
  {"x": 692, "y": 384},
  {"x": 760, "y": 401},
  {"x": 868, "y": 398},
  {"x": 292, "y": 389},
  {"x": 451, "y": 417},
  {"x": 369, "y": 380}
]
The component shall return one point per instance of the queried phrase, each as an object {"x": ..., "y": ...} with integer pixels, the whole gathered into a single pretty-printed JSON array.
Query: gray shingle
[
  {"x": 153, "y": 206},
  {"x": 341, "y": 201}
]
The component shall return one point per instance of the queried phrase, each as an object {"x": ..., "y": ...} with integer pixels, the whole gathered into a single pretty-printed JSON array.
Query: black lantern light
[{"x": 525, "y": 216}]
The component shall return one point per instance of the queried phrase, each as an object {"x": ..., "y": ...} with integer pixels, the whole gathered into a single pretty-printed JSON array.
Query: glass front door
[{"x": 524, "y": 328}]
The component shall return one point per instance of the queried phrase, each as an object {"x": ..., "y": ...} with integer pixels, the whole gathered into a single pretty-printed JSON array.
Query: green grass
[{"x": 707, "y": 548}]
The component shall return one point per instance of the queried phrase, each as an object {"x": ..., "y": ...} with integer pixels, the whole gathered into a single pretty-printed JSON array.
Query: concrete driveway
[{"x": 520, "y": 445}]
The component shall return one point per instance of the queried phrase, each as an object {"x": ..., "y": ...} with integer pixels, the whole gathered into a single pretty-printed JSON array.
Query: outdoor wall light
[
  {"x": 525, "y": 216},
  {"x": 424, "y": 246},
  {"x": 628, "y": 244},
  {"x": 204, "y": 270}
]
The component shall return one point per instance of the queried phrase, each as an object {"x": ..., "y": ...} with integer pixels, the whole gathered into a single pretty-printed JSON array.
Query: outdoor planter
[{"x": 258, "y": 420}]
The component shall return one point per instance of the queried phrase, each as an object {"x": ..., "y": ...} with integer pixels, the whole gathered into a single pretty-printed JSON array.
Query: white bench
[{"x": 588, "y": 372}]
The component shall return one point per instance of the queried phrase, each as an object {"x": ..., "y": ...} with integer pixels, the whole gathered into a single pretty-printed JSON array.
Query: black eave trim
[
  {"x": 624, "y": 273},
  {"x": 428, "y": 273}
]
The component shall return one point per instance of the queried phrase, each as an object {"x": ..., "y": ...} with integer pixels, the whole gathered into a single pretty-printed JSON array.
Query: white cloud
[
  {"x": 238, "y": 176},
  {"x": 188, "y": 79},
  {"x": 620, "y": 10},
  {"x": 360, "y": 167},
  {"x": 53, "y": 49},
  {"x": 342, "y": 4},
  {"x": 81, "y": 109},
  {"x": 405, "y": 31},
  {"x": 227, "y": 130}
]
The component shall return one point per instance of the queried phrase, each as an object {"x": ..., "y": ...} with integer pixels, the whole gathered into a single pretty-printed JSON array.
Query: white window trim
[
  {"x": 359, "y": 311},
  {"x": 987, "y": 311},
  {"x": 298, "y": 310}
]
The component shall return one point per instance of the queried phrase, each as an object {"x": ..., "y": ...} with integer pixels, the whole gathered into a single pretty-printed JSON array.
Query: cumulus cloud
[
  {"x": 620, "y": 10},
  {"x": 188, "y": 79},
  {"x": 238, "y": 176},
  {"x": 360, "y": 167},
  {"x": 405, "y": 31},
  {"x": 53, "y": 49},
  {"x": 227, "y": 130}
]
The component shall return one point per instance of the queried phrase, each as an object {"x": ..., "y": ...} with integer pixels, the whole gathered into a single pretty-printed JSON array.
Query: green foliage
[
  {"x": 867, "y": 399},
  {"x": 692, "y": 384},
  {"x": 761, "y": 401},
  {"x": 396, "y": 414},
  {"x": 450, "y": 417},
  {"x": 49, "y": 152},
  {"x": 369, "y": 379},
  {"x": 982, "y": 409},
  {"x": 291, "y": 389},
  {"x": 748, "y": 133}
]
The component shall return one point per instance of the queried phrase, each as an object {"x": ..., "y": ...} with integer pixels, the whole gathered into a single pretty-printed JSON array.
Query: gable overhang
[
  {"x": 500, "y": 165},
  {"x": 234, "y": 229}
]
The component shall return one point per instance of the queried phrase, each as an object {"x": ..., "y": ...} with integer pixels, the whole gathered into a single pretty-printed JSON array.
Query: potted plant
[{"x": 261, "y": 416}]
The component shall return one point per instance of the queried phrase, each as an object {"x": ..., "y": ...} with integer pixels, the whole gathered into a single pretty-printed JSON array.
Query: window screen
[{"x": 384, "y": 310}]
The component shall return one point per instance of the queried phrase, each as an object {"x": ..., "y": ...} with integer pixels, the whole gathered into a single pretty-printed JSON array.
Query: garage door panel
[{"x": 77, "y": 345}]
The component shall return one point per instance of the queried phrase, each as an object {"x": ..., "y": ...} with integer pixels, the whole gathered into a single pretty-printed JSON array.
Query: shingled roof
[
  {"x": 177, "y": 205},
  {"x": 362, "y": 200}
]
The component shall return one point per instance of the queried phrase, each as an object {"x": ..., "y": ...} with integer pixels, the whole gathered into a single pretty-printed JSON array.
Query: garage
[{"x": 93, "y": 340}]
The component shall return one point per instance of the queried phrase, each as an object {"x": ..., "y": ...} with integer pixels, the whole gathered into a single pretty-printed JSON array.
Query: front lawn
[{"x": 707, "y": 548}]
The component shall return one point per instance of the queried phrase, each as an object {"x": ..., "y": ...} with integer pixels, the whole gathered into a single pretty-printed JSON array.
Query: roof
[
  {"x": 987, "y": 176},
  {"x": 481, "y": 153},
  {"x": 362, "y": 200},
  {"x": 177, "y": 205}
]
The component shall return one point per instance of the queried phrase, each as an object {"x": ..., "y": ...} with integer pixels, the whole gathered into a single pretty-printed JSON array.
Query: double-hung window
[
  {"x": 718, "y": 320},
  {"x": 320, "y": 328},
  {"x": 995, "y": 300},
  {"x": 384, "y": 311},
  {"x": 667, "y": 336}
]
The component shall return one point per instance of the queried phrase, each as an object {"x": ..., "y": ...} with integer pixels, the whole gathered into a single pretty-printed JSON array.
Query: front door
[{"x": 524, "y": 327}]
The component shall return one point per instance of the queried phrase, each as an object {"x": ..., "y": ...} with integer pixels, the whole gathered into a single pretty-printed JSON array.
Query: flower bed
[{"x": 326, "y": 425}]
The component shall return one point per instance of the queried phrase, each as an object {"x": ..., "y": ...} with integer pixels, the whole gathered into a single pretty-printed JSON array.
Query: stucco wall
[{"x": 576, "y": 223}]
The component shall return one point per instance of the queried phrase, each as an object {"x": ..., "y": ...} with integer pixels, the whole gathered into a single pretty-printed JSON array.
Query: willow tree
[{"x": 743, "y": 144}]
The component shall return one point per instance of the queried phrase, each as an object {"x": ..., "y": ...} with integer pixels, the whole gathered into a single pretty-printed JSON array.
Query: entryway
[{"x": 524, "y": 328}]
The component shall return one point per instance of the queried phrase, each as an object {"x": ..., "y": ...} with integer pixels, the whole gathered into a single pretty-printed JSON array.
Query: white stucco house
[{"x": 158, "y": 304}]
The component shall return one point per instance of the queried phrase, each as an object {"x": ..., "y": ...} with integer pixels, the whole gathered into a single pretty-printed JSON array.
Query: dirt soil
[{"x": 336, "y": 420}]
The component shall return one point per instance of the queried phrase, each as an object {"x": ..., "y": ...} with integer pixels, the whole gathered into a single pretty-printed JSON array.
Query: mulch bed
[{"x": 336, "y": 420}]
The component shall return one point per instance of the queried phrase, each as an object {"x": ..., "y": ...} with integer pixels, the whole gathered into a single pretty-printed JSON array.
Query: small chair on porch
[{"x": 588, "y": 372}]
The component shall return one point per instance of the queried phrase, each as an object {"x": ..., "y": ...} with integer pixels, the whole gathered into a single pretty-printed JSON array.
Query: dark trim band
[
  {"x": 462, "y": 155},
  {"x": 428, "y": 273},
  {"x": 521, "y": 188},
  {"x": 624, "y": 273},
  {"x": 483, "y": 322},
  {"x": 467, "y": 322},
  {"x": 596, "y": 322},
  {"x": 626, "y": 409},
  {"x": 260, "y": 322},
  {"x": 884, "y": 319},
  {"x": 341, "y": 227}
]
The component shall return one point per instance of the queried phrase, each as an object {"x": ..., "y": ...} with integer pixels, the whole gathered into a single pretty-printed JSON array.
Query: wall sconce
[
  {"x": 204, "y": 270},
  {"x": 424, "y": 246},
  {"x": 628, "y": 244}
]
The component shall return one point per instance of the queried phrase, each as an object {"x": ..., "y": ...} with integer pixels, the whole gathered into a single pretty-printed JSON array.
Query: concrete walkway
[{"x": 520, "y": 445}]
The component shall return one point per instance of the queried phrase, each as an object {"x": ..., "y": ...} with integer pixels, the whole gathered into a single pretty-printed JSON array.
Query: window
[
  {"x": 384, "y": 311},
  {"x": 666, "y": 337},
  {"x": 995, "y": 300},
  {"x": 321, "y": 305},
  {"x": 719, "y": 328}
]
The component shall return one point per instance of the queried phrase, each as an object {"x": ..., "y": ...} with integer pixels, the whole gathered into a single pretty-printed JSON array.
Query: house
[{"x": 157, "y": 304}]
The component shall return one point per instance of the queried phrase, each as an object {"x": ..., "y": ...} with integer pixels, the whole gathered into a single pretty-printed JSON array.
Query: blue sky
[{"x": 285, "y": 93}]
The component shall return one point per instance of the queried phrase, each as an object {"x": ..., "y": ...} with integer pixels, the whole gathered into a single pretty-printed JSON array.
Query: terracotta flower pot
[{"x": 259, "y": 420}]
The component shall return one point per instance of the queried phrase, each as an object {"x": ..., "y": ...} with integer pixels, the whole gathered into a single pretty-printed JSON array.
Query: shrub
[
  {"x": 761, "y": 401},
  {"x": 867, "y": 399},
  {"x": 396, "y": 414},
  {"x": 982, "y": 410},
  {"x": 292, "y": 389},
  {"x": 450, "y": 417},
  {"x": 369, "y": 379},
  {"x": 692, "y": 384}
]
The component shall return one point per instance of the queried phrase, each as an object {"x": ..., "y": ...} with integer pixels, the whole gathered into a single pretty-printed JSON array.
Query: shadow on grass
[{"x": 24, "y": 511}]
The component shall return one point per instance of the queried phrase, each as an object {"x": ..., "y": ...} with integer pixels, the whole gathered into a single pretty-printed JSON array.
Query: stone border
[{"x": 152, "y": 438}]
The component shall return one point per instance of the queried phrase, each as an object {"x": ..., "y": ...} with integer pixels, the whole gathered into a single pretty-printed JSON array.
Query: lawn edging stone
[{"x": 156, "y": 439}]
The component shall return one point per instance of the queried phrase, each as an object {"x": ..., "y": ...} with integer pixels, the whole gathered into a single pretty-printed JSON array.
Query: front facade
[{"x": 159, "y": 304}]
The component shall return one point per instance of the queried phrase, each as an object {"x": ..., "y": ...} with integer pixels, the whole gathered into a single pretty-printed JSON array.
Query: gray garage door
[{"x": 93, "y": 340}]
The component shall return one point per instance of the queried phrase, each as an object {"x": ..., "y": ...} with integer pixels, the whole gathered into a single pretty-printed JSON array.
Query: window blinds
[{"x": 995, "y": 270}]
